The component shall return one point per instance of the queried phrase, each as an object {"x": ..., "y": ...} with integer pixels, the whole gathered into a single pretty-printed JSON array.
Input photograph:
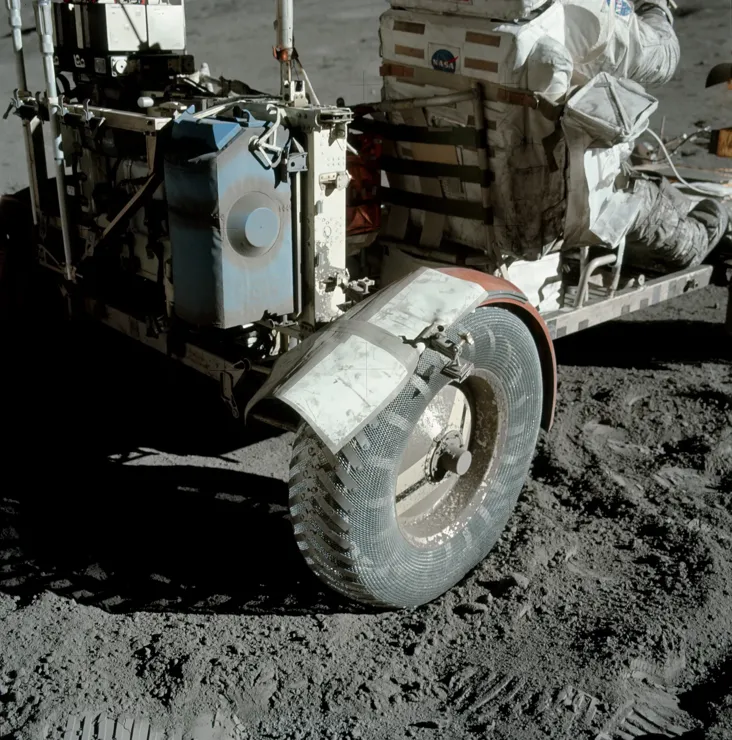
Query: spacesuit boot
[{"x": 666, "y": 236}]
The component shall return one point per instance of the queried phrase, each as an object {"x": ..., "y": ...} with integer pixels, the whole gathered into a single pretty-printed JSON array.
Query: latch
[
  {"x": 26, "y": 107},
  {"x": 15, "y": 104},
  {"x": 92, "y": 122},
  {"x": 339, "y": 180},
  {"x": 227, "y": 393},
  {"x": 434, "y": 338},
  {"x": 87, "y": 117},
  {"x": 156, "y": 325},
  {"x": 86, "y": 114},
  {"x": 338, "y": 278},
  {"x": 357, "y": 290}
]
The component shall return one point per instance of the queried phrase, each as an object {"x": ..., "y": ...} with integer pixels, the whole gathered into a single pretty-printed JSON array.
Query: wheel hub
[
  {"x": 456, "y": 458},
  {"x": 449, "y": 454}
]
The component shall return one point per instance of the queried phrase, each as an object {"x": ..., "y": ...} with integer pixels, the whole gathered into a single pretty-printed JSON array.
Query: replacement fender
[
  {"x": 500, "y": 292},
  {"x": 343, "y": 375}
]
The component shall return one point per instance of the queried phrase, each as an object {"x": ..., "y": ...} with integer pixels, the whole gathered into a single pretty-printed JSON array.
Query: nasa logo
[{"x": 444, "y": 61}]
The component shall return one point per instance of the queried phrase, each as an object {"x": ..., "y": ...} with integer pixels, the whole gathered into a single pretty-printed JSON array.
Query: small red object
[{"x": 363, "y": 211}]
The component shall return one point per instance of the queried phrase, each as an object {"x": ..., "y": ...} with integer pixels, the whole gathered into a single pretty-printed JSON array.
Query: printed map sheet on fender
[{"x": 341, "y": 377}]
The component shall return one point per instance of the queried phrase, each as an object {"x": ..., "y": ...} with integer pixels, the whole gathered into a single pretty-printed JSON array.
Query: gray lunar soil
[{"x": 150, "y": 585}]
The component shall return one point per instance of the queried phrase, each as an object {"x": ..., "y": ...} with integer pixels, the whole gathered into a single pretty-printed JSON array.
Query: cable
[{"x": 675, "y": 171}]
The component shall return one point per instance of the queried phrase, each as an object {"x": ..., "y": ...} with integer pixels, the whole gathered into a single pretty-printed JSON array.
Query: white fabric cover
[
  {"x": 540, "y": 280},
  {"x": 506, "y": 10},
  {"x": 601, "y": 121},
  {"x": 612, "y": 111}
]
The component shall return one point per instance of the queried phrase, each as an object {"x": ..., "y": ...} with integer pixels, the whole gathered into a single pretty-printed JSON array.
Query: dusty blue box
[{"x": 230, "y": 225}]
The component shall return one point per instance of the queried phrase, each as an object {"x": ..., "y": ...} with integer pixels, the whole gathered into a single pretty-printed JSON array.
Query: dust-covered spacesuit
[
  {"x": 639, "y": 44},
  {"x": 611, "y": 36}
]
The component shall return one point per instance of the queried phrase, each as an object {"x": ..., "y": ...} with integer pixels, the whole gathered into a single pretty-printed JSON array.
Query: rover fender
[
  {"x": 341, "y": 377},
  {"x": 503, "y": 293}
]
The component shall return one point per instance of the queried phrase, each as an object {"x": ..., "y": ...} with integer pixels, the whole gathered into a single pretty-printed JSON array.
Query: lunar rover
[{"x": 360, "y": 269}]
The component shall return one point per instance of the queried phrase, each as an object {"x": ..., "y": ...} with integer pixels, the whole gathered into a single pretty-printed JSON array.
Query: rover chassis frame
[{"x": 560, "y": 323}]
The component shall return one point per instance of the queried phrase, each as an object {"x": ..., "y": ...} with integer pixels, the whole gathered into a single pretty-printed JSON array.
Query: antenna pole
[{"x": 285, "y": 46}]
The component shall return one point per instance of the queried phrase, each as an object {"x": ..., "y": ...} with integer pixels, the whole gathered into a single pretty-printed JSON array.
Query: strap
[
  {"x": 450, "y": 136},
  {"x": 464, "y": 173},
  {"x": 491, "y": 90},
  {"x": 448, "y": 207}
]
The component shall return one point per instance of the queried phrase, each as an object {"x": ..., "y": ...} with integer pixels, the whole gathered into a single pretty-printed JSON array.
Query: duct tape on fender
[{"x": 341, "y": 377}]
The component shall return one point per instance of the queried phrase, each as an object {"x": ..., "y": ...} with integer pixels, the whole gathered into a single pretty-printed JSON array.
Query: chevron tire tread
[{"x": 343, "y": 506}]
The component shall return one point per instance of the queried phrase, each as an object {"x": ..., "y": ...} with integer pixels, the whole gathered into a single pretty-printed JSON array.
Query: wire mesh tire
[{"x": 344, "y": 507}]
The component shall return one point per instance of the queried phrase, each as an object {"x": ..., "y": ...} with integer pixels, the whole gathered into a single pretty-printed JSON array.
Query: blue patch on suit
[{"x": 622, "y": 7}]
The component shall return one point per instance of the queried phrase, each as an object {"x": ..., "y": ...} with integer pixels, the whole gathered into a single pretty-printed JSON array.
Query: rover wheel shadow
[
  {"x": 102, "y": 503},
  {"x": 646, "y": 344}
]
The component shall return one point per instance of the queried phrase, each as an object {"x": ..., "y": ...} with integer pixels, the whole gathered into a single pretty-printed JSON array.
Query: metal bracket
[
  {"x": 336, "y": 279},
  {"x": 23, "y": 105},
  {"x": 227, "y": 393},
  {"x": 337, "y": 180},
  {"x": 91, "y": 122},
  {"x": 457, "y": 368},
  {"x": 357, "y": 290},
  {"x": 297, "y": 162},
  {"x": 86, "y": 115},
  {"x": 15, "y": 104},
  {"x": 269, "y": 155},
  {"x": 434, "y": 338}
]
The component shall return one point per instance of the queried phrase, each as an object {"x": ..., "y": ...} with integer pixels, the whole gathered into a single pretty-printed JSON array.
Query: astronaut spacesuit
[{"x": 640, "y": 44}]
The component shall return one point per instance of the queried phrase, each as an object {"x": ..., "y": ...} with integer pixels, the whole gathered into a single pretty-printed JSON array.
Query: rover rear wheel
[{"x": 421, "y": 495}]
